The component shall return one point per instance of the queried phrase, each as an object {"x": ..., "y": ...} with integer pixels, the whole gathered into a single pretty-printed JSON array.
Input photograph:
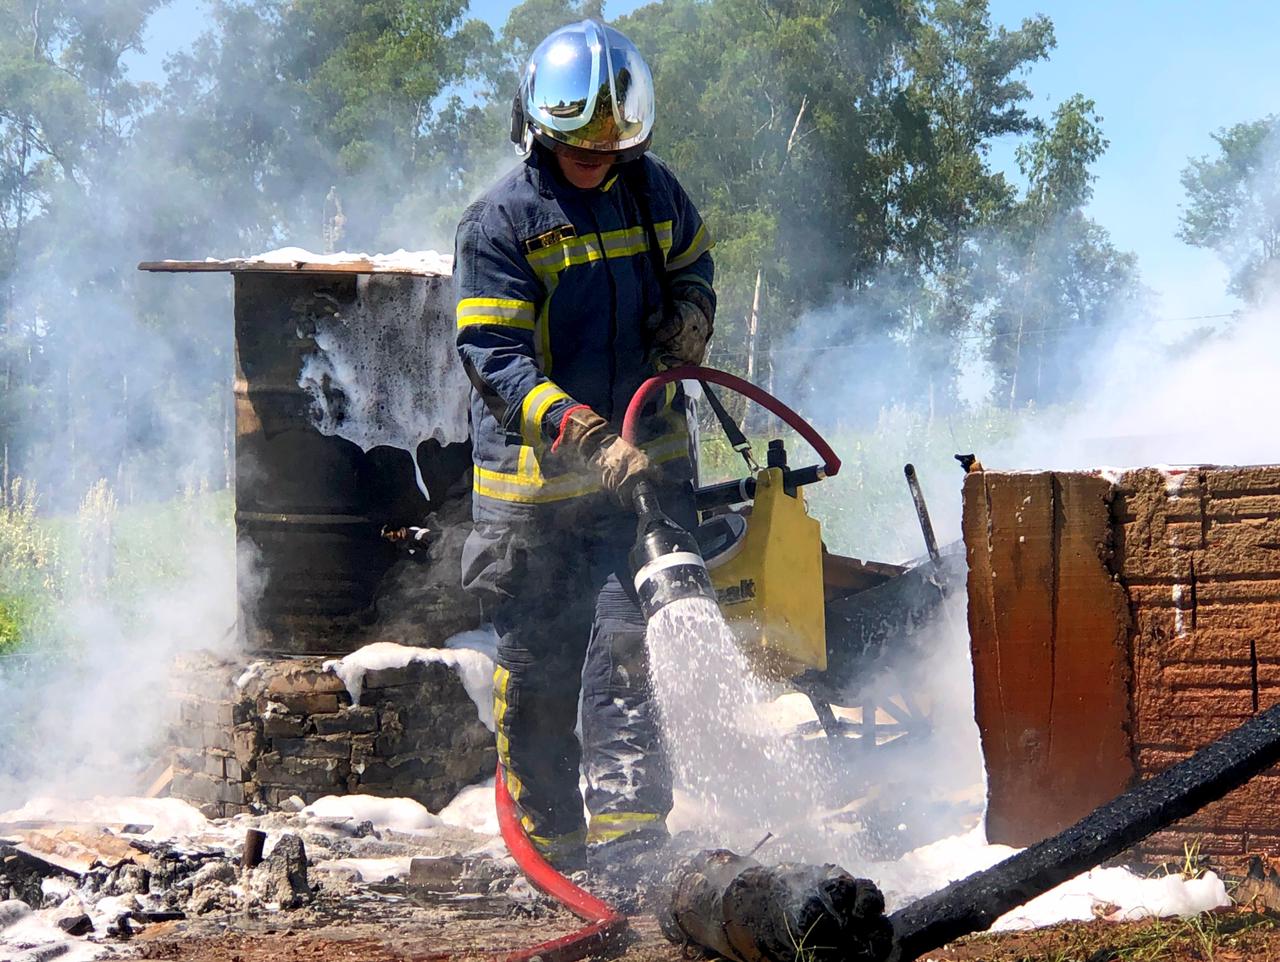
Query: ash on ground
[{"x": 89, "y": 881}]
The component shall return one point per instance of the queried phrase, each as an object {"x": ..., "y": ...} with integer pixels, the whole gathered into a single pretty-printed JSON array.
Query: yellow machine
[{"x": 766, "y": 569}]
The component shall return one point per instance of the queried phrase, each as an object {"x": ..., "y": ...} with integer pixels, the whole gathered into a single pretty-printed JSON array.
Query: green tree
[
  {"x": 67, "y": 109},
  {"x": 842, "y": 147},
  {"x": 1233, "y": 203},
  {"x": 1058, "y": 276}
]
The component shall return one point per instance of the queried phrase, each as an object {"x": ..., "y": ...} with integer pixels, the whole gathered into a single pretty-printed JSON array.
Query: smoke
[
  {"x": 86, "y": 704},
  {"x": 118, "y": 392},
  {"x": 1141, "y": 385},
  {"x": 1204, "y": 397},
  {"x": 118, "y": 410}
]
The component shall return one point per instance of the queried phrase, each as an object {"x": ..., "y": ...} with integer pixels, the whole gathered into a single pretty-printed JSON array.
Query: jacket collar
[{"x": 550, "y": 180}]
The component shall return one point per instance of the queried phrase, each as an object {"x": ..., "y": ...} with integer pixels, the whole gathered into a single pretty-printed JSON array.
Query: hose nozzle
[{"x": 665, "y": 561}]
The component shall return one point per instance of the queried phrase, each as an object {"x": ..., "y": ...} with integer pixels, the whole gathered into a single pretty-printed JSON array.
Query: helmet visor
[
  {"x": 588, "y": 87},
  {"x": 563, "y": 79},
  {"x": 632, "y": 93}
]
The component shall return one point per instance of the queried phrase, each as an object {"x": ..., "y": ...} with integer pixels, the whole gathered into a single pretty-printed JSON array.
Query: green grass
[
  {"x": 866, "y": 510},
  {"x": 1233, "y": 936},
  {"x": 115, "y": 554}
]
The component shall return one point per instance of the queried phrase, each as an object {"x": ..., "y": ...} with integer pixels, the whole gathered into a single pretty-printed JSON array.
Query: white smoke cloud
[{"x": 88, "y": 703}]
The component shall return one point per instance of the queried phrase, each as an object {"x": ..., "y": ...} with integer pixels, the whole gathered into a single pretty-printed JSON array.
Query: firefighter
[{"x": 578, "y": 275}]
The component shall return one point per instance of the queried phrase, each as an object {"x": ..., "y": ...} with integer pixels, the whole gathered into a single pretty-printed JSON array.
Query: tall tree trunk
[{"x": 753, "y": 327}]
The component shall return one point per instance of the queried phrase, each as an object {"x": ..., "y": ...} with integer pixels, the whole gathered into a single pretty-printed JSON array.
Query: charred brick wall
[
  {"x": 250, "y": 737},
  {"x": 1194, "y": 555}
]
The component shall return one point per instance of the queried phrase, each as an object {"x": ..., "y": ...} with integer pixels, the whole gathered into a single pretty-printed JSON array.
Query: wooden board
[
  {"x": 1049, "y": 631},
  {"x": 237, "y": 266},
  {"x": 843, "y": 576}
]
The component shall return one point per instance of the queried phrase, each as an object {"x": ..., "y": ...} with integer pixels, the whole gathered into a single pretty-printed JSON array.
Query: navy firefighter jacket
[{"x": 554, "y": 287}]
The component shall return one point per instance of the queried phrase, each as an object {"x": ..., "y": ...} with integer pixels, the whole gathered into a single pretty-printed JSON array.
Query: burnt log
[
  {"x": 748, "y": 912},
  {"x": 254, "y": 841}
]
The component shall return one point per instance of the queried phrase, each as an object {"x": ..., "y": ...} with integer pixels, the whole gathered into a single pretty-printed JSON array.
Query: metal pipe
[{"x": 922, "y": 511}]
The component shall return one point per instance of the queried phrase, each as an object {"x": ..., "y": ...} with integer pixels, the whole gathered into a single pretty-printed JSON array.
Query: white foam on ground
[
  {"x": 368, "y": 869},
  {"x": 474, "y": 668},
  {"x": 1113, "y": 894},
  {"x": 398, "y": 814},
  {"x": 36, "y": 933},
  {"x": 473, "y": 809},
  {"x": 1117, "y": 895},
  {"x": 167, "y": 816}
]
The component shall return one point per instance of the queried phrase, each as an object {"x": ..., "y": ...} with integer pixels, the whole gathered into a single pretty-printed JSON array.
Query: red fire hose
[
  {"x": 605, "y": 923},
  {"x": 631, "y": 423}
]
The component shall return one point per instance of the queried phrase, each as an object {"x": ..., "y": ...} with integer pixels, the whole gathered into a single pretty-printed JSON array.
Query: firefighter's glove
[
  {"x": 622, "y": 466},
  {"x": 681, "y": 337},
  {"x": 588, "y": 437}
]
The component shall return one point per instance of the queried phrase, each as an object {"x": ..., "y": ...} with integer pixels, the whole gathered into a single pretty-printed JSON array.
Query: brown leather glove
[
  {"x": 621, "y": 464},
  {"x": 682, "y": 338}
]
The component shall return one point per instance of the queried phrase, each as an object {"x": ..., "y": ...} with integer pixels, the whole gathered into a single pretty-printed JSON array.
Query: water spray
[{"x": 668, "y": 566}]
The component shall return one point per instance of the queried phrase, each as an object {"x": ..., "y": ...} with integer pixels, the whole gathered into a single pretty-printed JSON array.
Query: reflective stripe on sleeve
[
  {"x": 691, "y": 278},
  {"x": 534, "y": 408},
  {"x": 528, "y": 485},
  {"x": 498, "y": 311},
  {"x": 702, "y": 243}
]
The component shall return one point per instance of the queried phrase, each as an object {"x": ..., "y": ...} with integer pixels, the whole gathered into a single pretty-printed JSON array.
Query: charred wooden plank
[{"x": 973, "y": 904}]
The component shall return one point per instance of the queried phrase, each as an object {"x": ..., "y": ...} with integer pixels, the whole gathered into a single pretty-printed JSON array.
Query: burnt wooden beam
[{"x": 973, "y": 904}]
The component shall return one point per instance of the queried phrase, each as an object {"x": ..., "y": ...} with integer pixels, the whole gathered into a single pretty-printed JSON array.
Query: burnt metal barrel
[{"x": 309, "y": 505}]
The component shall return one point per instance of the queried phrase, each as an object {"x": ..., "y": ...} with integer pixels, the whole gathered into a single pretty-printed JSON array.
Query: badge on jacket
[{"x": 552, "y": 237}]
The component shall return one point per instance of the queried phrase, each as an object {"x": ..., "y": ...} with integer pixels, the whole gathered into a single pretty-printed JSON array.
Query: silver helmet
[{"x": 586, "y": 88}]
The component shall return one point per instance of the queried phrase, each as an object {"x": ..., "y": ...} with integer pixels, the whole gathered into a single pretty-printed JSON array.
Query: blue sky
[{"x": 1164, "y": 73}]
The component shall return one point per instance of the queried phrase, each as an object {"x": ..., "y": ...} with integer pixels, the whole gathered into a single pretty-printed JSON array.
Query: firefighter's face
[{"x": 583, "y": 172}]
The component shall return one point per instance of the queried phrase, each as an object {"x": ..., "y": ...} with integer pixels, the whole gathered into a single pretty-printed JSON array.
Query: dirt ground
[{"x": 1237, "y": 935}]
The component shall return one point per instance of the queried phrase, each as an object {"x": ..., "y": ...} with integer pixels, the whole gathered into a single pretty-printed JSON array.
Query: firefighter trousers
[{"x": 558, "y": 592}]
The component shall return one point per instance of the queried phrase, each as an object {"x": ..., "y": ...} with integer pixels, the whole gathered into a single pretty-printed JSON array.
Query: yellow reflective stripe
[
  {"x": 690, "y": 278},
  {"x": 551, "y": 847},
  {"x": 505, "y": 306},
  {"x": 702, "y": 243},
  {"x": 527, "y": 485},
  {"x": 542, "y": 329},
  {"x": 499, "y": 311},
  {"x": 583, "y": 250},
  {"x": 614, "y": 825},
  {"x": 504, "y": 486},
  {"x": 534, "y": 408},
  {"x": 501, "y": 678}
]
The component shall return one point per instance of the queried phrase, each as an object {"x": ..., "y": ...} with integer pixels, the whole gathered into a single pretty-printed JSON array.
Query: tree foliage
[
  {"x": 839, "y": 150},
  {"x": 1233, "y": 202}
]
